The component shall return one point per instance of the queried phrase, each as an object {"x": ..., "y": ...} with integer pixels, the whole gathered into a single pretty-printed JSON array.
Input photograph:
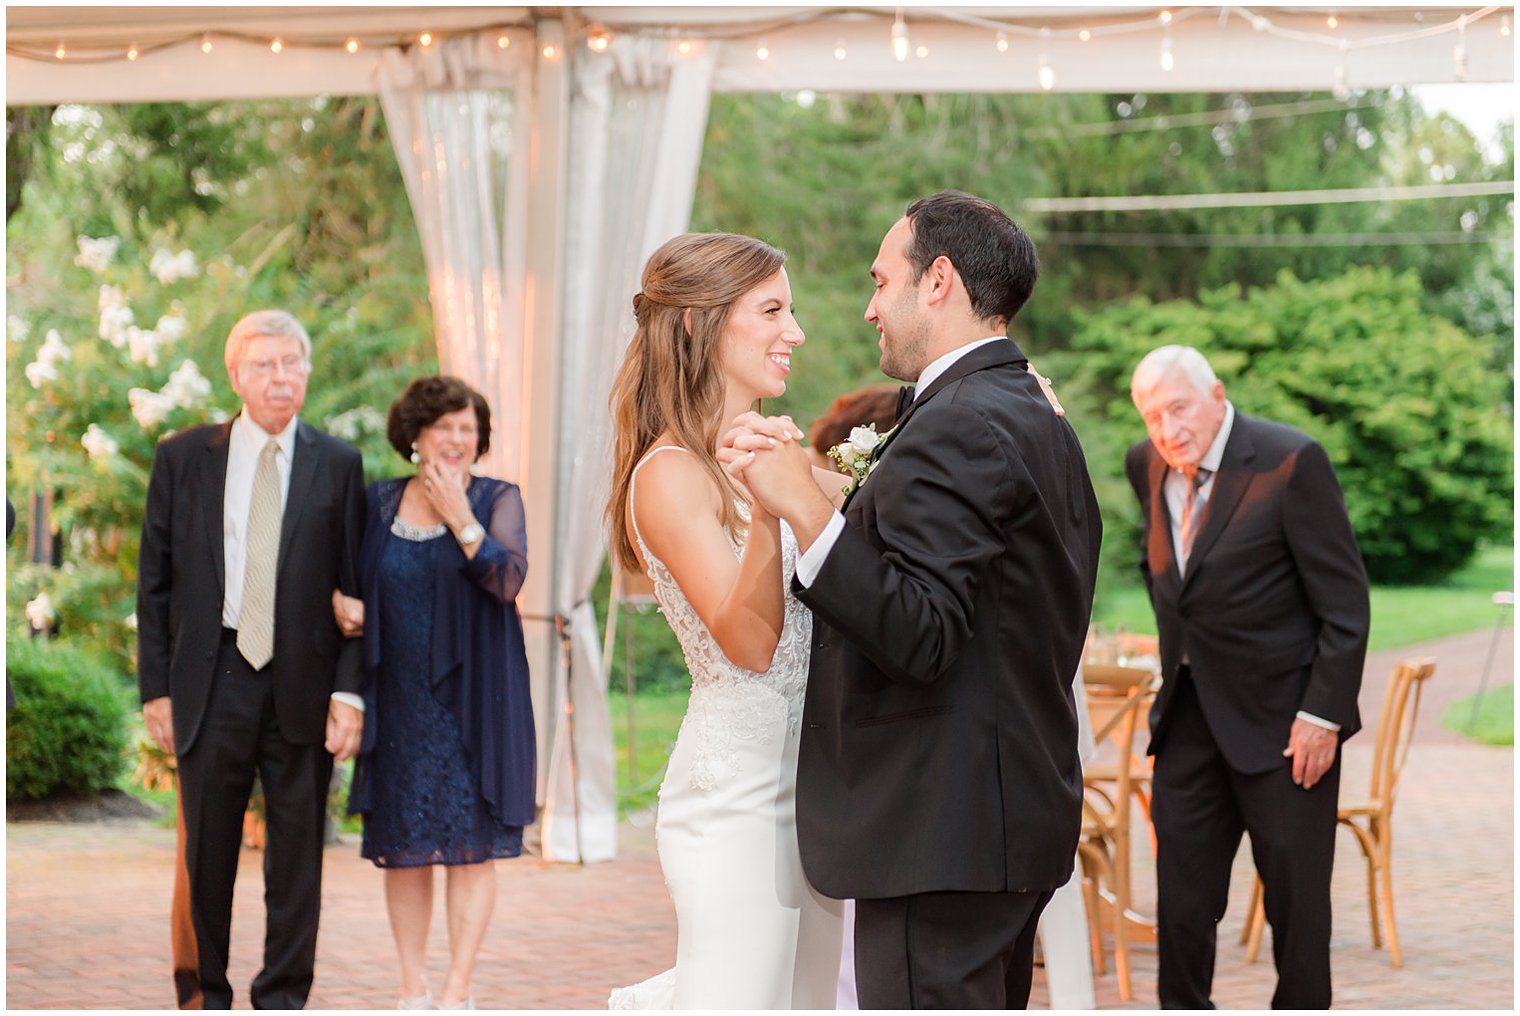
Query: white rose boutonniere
[{"x": 856, "y": 456}]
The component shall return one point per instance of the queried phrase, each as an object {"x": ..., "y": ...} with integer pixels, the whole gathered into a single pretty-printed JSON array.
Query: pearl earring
[{"x": 416, "y": 458}]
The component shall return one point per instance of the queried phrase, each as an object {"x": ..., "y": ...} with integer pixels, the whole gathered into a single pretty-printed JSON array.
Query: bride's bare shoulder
[{"x": 671, "y": 491}]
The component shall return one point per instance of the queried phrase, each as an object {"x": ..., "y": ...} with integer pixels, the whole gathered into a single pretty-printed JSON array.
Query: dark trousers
[
  {"x": 946, "y": 950},
  {"x": 240, "y": 737},
  {"x": 1200, "y": 808}
]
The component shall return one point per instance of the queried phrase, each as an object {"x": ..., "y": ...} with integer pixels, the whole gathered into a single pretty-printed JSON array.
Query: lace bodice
[{"x": 728, "y": 702}]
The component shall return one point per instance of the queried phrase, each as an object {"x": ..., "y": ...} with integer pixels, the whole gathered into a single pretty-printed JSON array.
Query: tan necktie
[
  {"x": 1192, "y": 515},
  {"x": 255, "y": 638}
]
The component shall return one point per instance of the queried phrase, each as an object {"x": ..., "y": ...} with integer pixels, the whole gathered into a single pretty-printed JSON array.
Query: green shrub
[
  {"x": 1407, "y": 405},
  {"x": 68, "y": 731}
]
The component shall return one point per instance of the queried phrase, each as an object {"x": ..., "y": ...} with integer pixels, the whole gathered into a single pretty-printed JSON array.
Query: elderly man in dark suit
[
  {"x": 249, "y": 527},
  {"x": 1261, "y": 602},
  {"x": 938, "y": 782}
]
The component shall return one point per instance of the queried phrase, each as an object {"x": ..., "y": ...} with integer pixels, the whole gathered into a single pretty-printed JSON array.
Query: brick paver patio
[{"x": 87, "y": 905}]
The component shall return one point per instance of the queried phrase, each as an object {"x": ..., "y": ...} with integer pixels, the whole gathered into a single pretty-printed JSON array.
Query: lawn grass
[
  {"x": 1495, "y": 721},
  {"x": 656, "y": 718},
  {"x": 1401, "y": 615}
]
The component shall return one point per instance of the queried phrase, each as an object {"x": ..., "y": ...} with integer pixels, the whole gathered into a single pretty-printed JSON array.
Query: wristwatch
[{"x": 471, "y": 534}]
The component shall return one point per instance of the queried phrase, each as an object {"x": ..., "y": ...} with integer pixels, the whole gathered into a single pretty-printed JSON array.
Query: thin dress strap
[{"x": 633, "y": 515}]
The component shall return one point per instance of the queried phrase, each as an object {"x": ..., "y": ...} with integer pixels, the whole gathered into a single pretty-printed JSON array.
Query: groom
[{"x": 938, "y": 782}]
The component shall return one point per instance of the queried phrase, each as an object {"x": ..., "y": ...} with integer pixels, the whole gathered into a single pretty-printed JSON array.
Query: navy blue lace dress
[{"x": 425, "y": 806}]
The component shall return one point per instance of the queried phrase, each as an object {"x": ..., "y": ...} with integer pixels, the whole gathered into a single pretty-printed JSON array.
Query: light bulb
[
  {"x": 503, "y": 41},
  {"x": 1166, "y": 17},
  {"x": 599, "y": 42},
  {"x": 1002, "y": 42},
  {"x": 551, "y": 52},
  {"x": 1333, "y": 21},
  {"x": 425, "y": 39},
  {"x": 1084, "y": 35},
  {"x": 60, "y": 52},
  {"x": 762, "y": 51},
  {"x": 839, "y": 51},
  {"x": 922, "y": 51},
  {"x": 1341, "y": 90},
  {"x": 276, "y": 45},
  {"x": 1166, "y": 55},
  {"x": 1504, "y": 26},
  {"x": 683, "y": 47},
  {"x": 132, "y": 53},
  {"x": 206, "y": 44},
  {"x": 1047, "y": 77},
  {"x": 900, "y": 37},
  {"x": 352, "y": 45}
]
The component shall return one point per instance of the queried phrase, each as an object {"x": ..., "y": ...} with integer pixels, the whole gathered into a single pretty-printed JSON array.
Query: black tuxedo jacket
[
  {"x": 939, "y": 741},
  {"x": 1272, "y": 612},
  {"x": 181, "y": 570}
]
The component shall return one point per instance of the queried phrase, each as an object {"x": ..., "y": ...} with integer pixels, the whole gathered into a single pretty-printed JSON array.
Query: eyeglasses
[{"x": 288, "y": 364}]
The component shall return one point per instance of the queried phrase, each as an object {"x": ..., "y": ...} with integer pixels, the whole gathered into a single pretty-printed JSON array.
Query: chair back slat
[{"x": 1401, "y": 708}]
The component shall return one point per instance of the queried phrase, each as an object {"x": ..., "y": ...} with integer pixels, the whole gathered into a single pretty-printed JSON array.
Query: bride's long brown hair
[{"x": 671, "y": 379}]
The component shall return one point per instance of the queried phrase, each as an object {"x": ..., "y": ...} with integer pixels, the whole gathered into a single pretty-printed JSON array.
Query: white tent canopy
[{"x": 594, "y": 116}]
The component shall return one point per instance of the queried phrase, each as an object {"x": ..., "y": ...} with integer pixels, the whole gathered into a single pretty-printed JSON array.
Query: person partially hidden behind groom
[
  {"x": 1261, "y": 602},
  {"x": 249, "y": 526},
  {"x": 938, "y": 782}
]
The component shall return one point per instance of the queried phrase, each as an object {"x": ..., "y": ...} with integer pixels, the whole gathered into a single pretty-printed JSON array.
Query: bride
[{"x": 715, "y": 333}]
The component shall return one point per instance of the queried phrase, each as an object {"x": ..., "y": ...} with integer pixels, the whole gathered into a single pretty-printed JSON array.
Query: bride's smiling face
[{"x": 758, "y": 340}]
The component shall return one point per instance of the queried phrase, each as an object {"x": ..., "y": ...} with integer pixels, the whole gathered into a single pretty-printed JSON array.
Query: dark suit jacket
[
  {"x": 1273, "y": 610},
  {"x": 939, "y": 741},
  {"x": 181, "y": 570}
]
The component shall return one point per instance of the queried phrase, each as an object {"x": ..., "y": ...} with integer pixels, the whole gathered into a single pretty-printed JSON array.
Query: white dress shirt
[
  {"x": 244, "y": 446},
  {"x": 810, "y": 563},
  {"x": 1174, "y": 488}
]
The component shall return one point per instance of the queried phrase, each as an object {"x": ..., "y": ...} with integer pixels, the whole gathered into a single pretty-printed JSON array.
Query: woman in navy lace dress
[{"x": 446, "y": 772}]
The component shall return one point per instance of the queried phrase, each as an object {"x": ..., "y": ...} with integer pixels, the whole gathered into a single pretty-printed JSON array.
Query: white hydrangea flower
[
  {"x": 131, "y": 620},
  {"x": 170, "y": 268},
  {"x": 115, "y": 316},
  {"x": 54, "y": 350},
  {"x": 40, "y": 613},
  {"x": 96, "y": 253},
  {"x": 100, "y": 445},
  {"x": 16, "y": 329},
  {"x": 187, "y": 387},
  {"x": 171, "y": 326},
  {"x": 143, "y": 345},
  {"x": 149, "y": 408},
  {"x": 40, "y": 373},
  {"x": 353, "y": 424}
]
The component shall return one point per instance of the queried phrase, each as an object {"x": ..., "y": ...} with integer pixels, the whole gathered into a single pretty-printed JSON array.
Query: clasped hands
[{"x": 763, "y": 454}]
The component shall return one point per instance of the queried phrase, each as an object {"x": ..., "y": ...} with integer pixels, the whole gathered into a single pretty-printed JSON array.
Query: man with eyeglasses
[{"x": 249, "y": 526}]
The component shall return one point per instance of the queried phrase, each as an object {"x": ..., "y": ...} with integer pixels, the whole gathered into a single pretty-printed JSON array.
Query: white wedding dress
[{"x": 750, "y": 932}]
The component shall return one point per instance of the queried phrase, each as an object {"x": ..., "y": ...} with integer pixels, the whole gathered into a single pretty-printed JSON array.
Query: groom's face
[{"x": 895, "y": 308}]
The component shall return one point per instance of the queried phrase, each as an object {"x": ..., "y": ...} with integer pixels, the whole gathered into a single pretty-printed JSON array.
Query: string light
[
  {"x": 425, "y": 39},
  {"x": 352, "y": 45},
  {"x": 900, "y": 37},
  {"x": 132, "y": 52},
  {"x": 276, "y": 45},
  {"x": 60, "y": 52},
  {"x": 1166, "y": 17},
  {"x": 1504, "y": 26},
  {"x": 503, "y": 41},
  {"x": 206, "y": 44},
  {"x": 1341, "y": 89},
  {"x": 598, "y": 41},
  {"x": 683, "y": 47},
  {"x": 1084, "y": 35},
  {"x": 762, "y": 51},
  {"x": 1166, "y": 53},
  {"x": 1459, "y": 53},
  {"x": 922, "y": 51},
  {"x": 1047, "y": 74},
  {"x": 839, "y": 51},
  {"x": 1002, "y": 42},
  {"x": 551, "y": 52},
  {"x": 1333, "y": 22}
]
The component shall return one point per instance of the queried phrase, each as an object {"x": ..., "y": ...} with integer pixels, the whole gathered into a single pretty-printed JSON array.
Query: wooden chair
[
  {"x": 1117, "y": 701},
  {"x": 1371, "y": 820}
]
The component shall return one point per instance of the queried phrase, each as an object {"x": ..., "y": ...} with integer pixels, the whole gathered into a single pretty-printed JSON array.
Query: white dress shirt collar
[
  {"x": 930, "y": 373},
  {"x": 252, "y": 436},
  {"x": 1215, "y": 455}
]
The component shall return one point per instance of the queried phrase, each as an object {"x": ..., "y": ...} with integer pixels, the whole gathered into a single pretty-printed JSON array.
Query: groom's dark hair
[{"x": 995, "y": 258}]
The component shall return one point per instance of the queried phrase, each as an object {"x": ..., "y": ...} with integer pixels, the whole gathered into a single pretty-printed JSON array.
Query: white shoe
[
  {"x": 423, "y": 1001},
  {"x": 468, "y": 1003}
]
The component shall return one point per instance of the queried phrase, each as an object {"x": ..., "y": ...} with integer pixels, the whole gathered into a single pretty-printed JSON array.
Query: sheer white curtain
[
  {"x": 637, "y": 117},
  {"x": 449, "y": 108}
]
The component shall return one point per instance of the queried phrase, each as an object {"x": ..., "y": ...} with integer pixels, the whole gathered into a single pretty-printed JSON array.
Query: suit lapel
[
  {"x": 1160, "y": 555},
  {"x": 993, "y": 354},
  {"x": 214, "y": 483},
  {"x": 1229, "y": 487},
  {"x": 303, "y": 471}
]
